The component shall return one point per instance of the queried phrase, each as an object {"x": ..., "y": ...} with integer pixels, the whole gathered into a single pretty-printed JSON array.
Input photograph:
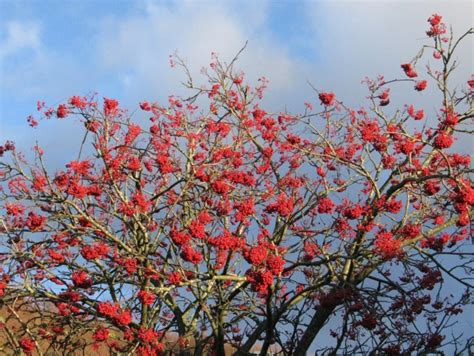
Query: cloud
[
  {"x": 128, "y": 56},
  {"x": 20, "y": 36},
  {"x": 373, "y": 37},
  {"x": 137, "y": 47},
  {"x": 368, "y": 38},
  {"x": 344, "y": 42}
]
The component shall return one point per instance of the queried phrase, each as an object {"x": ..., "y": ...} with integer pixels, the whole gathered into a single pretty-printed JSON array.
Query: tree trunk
[{"x": 316, "y": 324}]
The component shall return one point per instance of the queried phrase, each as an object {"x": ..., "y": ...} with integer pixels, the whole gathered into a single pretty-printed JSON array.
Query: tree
[{"x": 230, "y": 225}]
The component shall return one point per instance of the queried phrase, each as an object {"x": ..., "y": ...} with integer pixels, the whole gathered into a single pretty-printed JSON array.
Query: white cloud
[
  {"x": 374, "y": 37},
  {"x": 142, "y": 43},
  {"x": 351, "y": 40},
  {"x": 128, "y": 56},
  {"x": 368, "y": 38},
  {"x": 20, "y": 36}
]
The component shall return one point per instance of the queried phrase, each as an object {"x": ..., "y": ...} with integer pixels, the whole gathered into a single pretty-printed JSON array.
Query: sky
[{"x": 53, "y": 49}]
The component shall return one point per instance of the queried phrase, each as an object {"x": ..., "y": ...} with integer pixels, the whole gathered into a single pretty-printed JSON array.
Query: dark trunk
[{"x": 316, "y": 324}]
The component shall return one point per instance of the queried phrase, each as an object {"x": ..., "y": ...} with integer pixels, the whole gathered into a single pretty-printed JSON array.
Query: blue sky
[{"x": 51, "y": 50}]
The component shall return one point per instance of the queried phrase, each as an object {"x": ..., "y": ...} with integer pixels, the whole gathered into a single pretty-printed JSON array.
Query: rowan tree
[{"x": 226, "y": 224}]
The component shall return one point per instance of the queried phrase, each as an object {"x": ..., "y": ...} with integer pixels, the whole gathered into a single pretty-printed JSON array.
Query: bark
[{"x": 316, "y": 324}]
